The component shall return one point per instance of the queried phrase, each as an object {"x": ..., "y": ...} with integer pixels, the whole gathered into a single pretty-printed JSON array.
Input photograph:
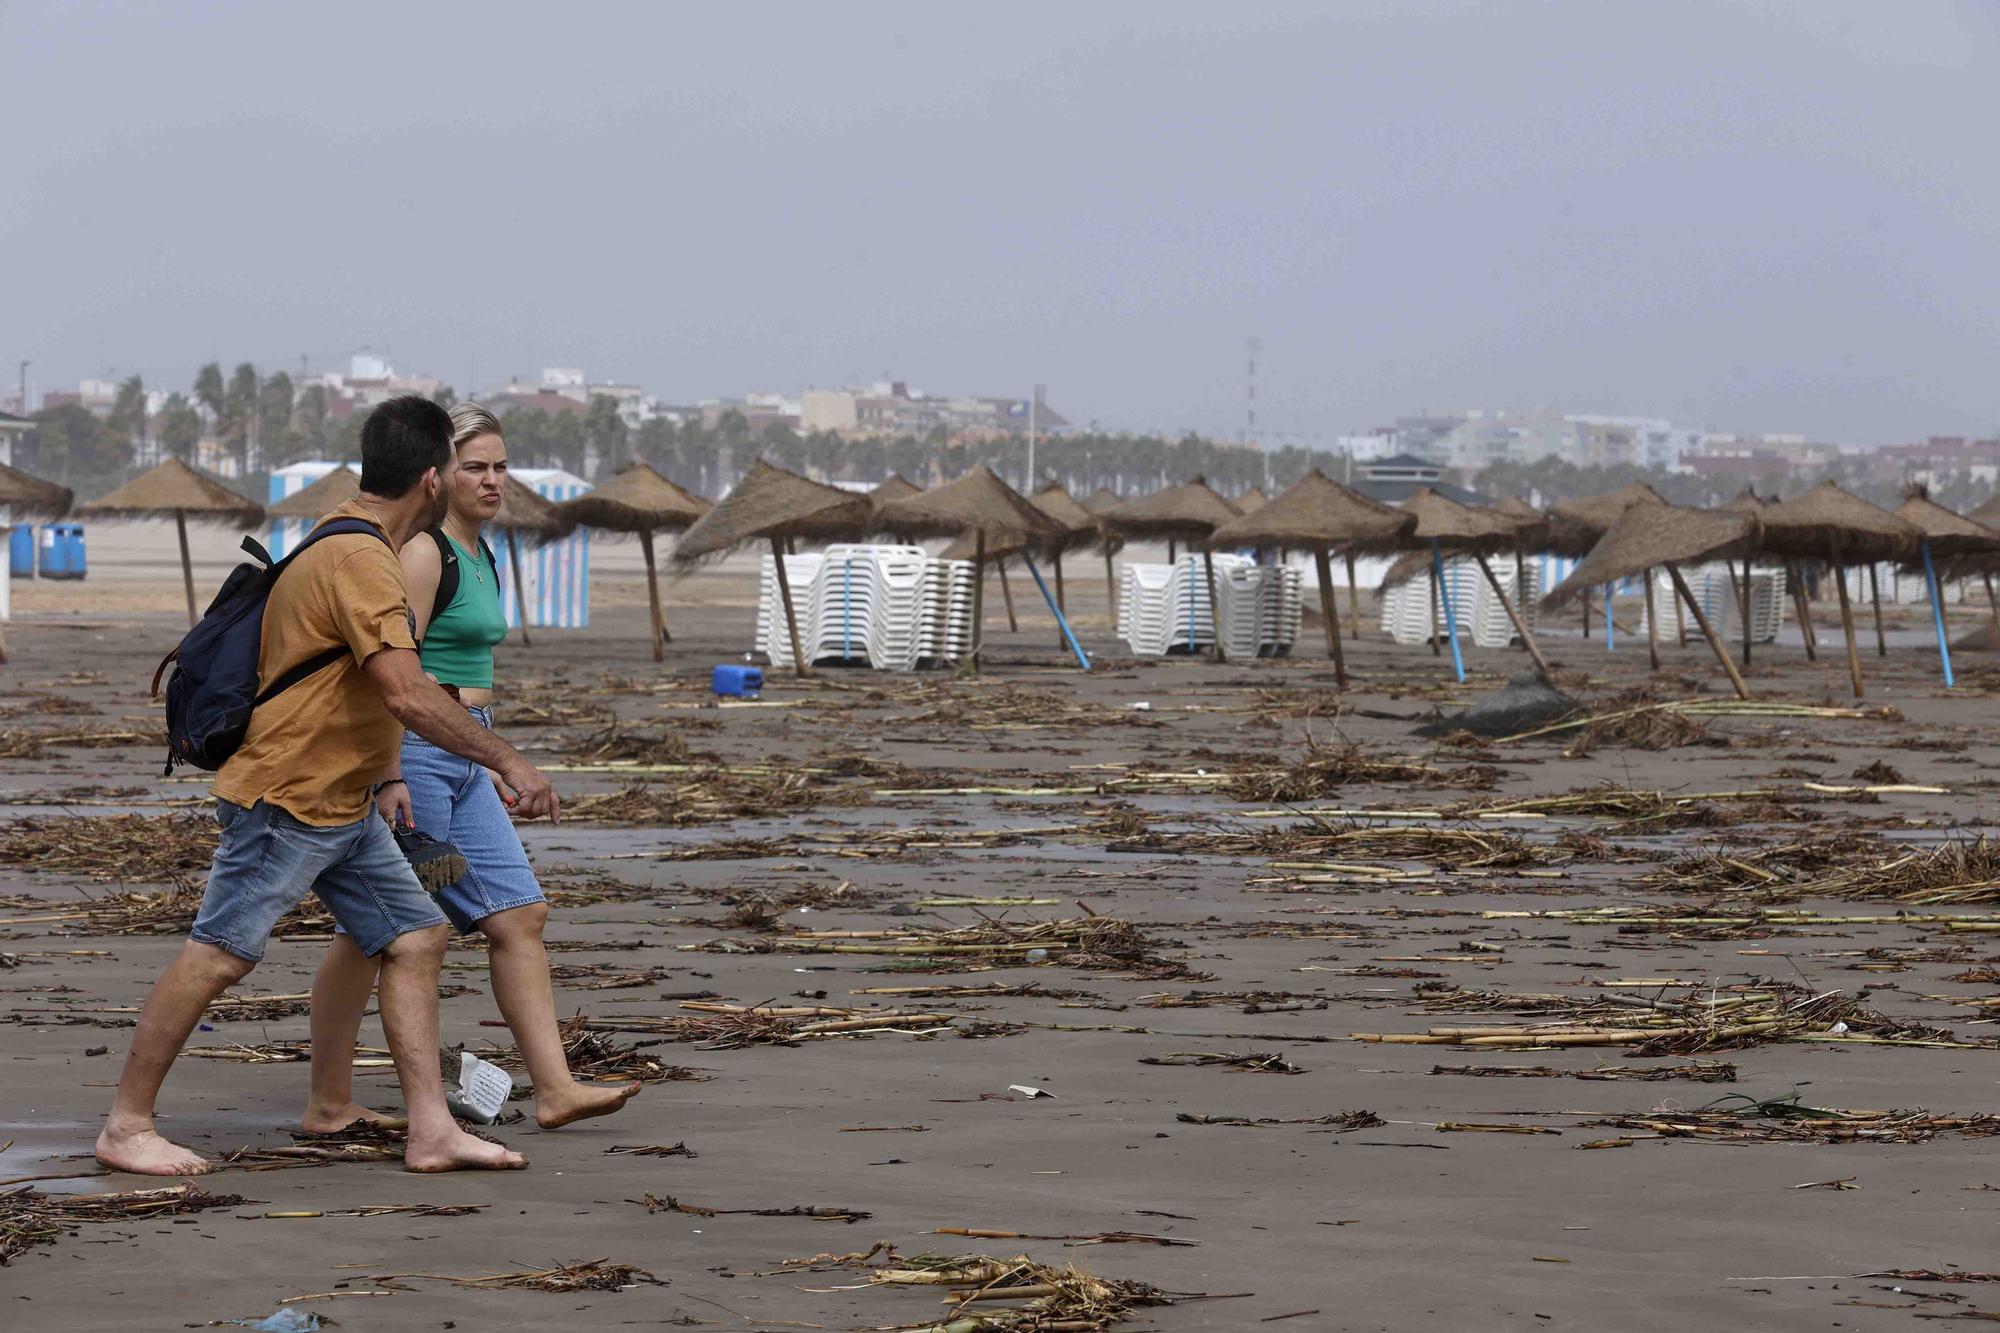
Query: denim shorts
[
  {"x": 266, "y": 862},
  {"x": 453, "y": 800}
]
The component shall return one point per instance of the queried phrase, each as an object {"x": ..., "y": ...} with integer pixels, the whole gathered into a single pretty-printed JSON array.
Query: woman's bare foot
[
  {"x": 143, "y": 1152},
  {"x": 580, "y": 1101},
  {"x": 460, "y": 1151},
  {"x": 331, "y": 1120}
]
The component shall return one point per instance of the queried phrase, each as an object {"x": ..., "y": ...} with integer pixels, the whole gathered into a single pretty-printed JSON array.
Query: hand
[
  {"x": 533, "y": 794},
  {"x": 393, "y": 804}
]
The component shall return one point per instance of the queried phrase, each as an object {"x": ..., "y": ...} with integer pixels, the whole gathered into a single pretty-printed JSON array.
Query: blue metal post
[
  {"x": 1056, "y": 611},
  {"x": 1937, "y": 615},
  {"x": 1450, "y": 615},
  {"x": 1610, "y": 624}
]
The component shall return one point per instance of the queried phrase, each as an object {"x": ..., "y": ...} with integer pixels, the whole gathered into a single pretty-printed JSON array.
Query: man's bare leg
[
  {"x": 198, "y": 974},
  {"x": 521, "y": 987},
  {"x": 345, "y": 980},
  {"x": 409, "y": 1018}
]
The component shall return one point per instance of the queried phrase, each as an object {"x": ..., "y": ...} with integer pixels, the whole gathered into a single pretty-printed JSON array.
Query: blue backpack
[{"x": 213, "y": 689}]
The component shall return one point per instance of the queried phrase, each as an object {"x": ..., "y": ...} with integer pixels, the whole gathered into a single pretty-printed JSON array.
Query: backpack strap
[
  {"x": 319, "y": 661},
  {"x": 448, "y": 573}
]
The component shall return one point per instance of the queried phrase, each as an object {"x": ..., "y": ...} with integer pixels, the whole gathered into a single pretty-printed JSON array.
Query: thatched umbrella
[
  {"x": 771, "y": 504},
  {"x": 1445, "y": 524},
  {"x": 1000, "y": 523},
  {"x": 1828, "y": 521},
  {"x": 1949, "y": 536},
  {"x": 1188, "y": 512},
  {"x": 26, "y": 496},
  {"x": 1101, "y": 502},
  {"x": 525, "y": 516},
  {"x": 1651, "y": 536},
  {"x": 173, "y": 489},
  {"x": 1318, "y": 514},
  {"x": 321, "y": 498},
  {"x": 1080, "y": 529},
  {"x": 1252, "y": 500},
  {"x": 897, "y": 487},
  {"x": 1749, "y": 502},
  {"x": 638, "y": 500},
  {"x": 1575, "y": 526}
]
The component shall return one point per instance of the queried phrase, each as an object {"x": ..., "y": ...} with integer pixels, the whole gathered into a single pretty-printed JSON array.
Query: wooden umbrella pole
[
  {"x": 187, "y": 563},
  {"x": 971, "y": 667},
  {"x": 1329, "y": 607},
  {"x": 653, "y": 592},
  {"x": 1214, "y": 607},
  {"x": 1586, "y": 613},
  {"x": 1743, "y": 607},
  {"x": 1797, "y": 583},
  {"x": 1846, "y": 617},
  {"x": 785, "y": 596},
  {"x": 1708, "y": 632},
  {"x": 521, "y": 588},
  {"x": 1992, "y": 601},
  {"x": 1437, "y": 628},
  {"x": 1875, "y": 595},
  {"x": 1007, "y": 596},
  {"x": 1514, "y": 614},
  {"x": 1353, "y": 601},
  {"x": 1652, "y": 622},
  {"x": 1680, "y": 622},
  {"x": 1062, "y": 606},
  {"x": 1521, "y": 580},
  {"x": 1111, "y": 590}
]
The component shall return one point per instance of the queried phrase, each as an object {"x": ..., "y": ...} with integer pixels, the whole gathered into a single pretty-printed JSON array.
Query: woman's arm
[{"x": 422, "y": 571}]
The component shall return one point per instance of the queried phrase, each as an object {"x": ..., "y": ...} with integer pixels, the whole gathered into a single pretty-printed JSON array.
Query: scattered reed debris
[
  {"x": 562, "y": 1279},
  {"x": 1039, "y": 1298},
  {"x": 126, "y": 849},
  {"x": 1100, "y": 943},
  {"x": 1960, "y": 872},
  {"x": 29, "y": 1217},
  {"x": 595, "y": 1058},
  {"x": 1740, "y": 1119},
  {"x": 1324, "y": 769},
  {"x": 1700, "y": 1071}
]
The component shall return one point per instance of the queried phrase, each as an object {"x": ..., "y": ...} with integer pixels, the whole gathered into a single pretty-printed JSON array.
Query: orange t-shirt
[{"x": 315, "y": 750}]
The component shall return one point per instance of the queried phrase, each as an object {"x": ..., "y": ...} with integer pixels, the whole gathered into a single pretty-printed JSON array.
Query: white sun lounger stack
[
  {"x": 1406, "y": 607},
  {"x": 1164, "y": 608},
  {"x": 1260, "y": 608},
  {"x": 886, "y": 607},
  {"x": 1491, "y": 626},
  {"x": 1716, "y": 591}
]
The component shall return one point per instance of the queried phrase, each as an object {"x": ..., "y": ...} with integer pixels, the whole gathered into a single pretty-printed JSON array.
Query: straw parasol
[
  {"x": 321, "y": 498},
  {"x": 1828, "y": 522},
  {"x": 997, "y": 519},
  {"x": 638, "y": 500},
  {"x": 771, "y": 504},
  {"x": 897, "y": 487},
  {"x": 173, "y": 489},
  {"x": 1252, "y": 500},
  {"x": 1650, "y": 536},
  {"x": 1188, "y": 512},
  {"x": 1318, "y": 514},
  {"x": 1953, "y": 537},
  {"x": 1443, "y": 524},
  {"x": 1575, "y": 525},
  {"x": 1080, "y": 529},
  {"x": 27, "y": 496}
]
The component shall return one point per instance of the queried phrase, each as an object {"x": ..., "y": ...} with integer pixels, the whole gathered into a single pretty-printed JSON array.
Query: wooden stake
[
  {"x": 1680, "y": 622},
  {"x": 1514, "y": 614},
  {"x": 1652, "y": 621},
  {"x": 791, "y": 616},
  {"x": 1111, "y": 590},
  {"x": 521, "y": 589},
  {"x": 1586, "y": 613},
  {"x": 1437, "y": 629},
  {"x": 1329, "y": 607},
  {"x": 1214, "y": 607},
  {"x": 971, "y": 665},
  {"x": 1708, "y": 632},
  {"x": 1846, "y": 616},
  {"x": 653, "y": 594},
  {"x": 1743, "y": 607},
  {"x": 187, "y": 564},
  {"x": 1353, "y": 601},
  {"x": 1875, "y": 593},
  {"x": 1992, "y": 602},
  {"x": 1007, "y": 595},
  {"x": 1796, "y": 581}
]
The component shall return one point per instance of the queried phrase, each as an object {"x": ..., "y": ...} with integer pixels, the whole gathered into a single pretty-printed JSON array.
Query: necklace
[{"x": 472, "y": 556}]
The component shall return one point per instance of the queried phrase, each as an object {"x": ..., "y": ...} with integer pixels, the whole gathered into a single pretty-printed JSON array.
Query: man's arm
[{"x": 416, "y": 701}]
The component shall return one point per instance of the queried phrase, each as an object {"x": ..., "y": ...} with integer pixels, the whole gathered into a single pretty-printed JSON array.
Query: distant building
[
  {"x": 369, "y": 381},
  {"x": 1473, "y": 440},
  {"x": 565, "y": 389},
  {"x": 894, "y": 408},
  {"x": 1937, "y": 463},
  {"x": 1757, "y": 457},
  {"x": 1395, "y": 479},
  {"x": 12, "y": 430},
  {"x": 760, "y": 410}
]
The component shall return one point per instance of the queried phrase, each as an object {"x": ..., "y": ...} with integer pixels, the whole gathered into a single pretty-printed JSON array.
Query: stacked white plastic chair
[
  {"x": 887, "y": 607},
  {"x": 1491, "y": 625},
  {"x": 1260, "y": 607},
  {"x": 1165, "y": 608},
  {"x": 1406, "y": 607},
  {"x": 1717, "y": 591}
]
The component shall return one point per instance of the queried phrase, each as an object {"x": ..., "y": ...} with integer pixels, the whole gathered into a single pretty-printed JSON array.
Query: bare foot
[
  {"x": 143, "y": 1152},
  {"x": 580, "y": 1101},
  {"x": 331, "y": 1120},
  {"x": 460, "y": 1151}
]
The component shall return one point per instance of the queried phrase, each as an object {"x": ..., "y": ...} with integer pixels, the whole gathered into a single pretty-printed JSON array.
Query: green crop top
[{"x": 458, "y": 643}]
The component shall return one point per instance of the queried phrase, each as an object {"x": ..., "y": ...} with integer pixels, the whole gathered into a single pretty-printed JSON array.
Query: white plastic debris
[
  {"x": 1838, "y": 1030},
  {"x": 1028, "y": 1092},
  {"x": 482, "y": 1090},
  {"x": 1142, "y": 706}
]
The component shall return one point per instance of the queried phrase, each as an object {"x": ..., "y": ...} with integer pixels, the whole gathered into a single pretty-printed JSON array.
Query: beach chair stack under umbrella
[
  {"x": 1953, "y": 539},
  {"x": 1079, "y": 526},
  {"x": 637, "y": 500},
  {"x": 1320, "y": 515},
  {"x": 1443, "y": 524},
  {"x": 772, "y": 505},
  {"x": 1574, "y": 526},
  {"x": 176, "y": 491},
  {"x": 1184, "y": 514}
]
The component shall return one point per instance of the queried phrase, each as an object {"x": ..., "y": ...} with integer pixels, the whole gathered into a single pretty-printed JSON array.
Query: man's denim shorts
[
  {"x": 267, "y": 861},
  {"x": 453, "y": 800}
]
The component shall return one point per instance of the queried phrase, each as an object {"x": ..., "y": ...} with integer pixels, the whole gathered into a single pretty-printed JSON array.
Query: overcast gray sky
[{"x": 1746, "y": 215}]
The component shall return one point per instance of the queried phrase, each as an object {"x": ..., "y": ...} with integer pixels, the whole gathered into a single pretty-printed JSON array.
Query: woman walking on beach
[{"x": 455, "y": 801}]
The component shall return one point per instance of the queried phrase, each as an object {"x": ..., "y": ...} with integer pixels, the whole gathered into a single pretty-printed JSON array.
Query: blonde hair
[{"x": 469, "y": 421}]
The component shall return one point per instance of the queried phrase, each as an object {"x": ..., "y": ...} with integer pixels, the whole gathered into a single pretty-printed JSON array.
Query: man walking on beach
[{"x": 297, "y": 812}]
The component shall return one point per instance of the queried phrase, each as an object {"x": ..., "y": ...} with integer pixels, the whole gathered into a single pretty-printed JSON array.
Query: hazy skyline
[{"x": 1745, "y": 216}]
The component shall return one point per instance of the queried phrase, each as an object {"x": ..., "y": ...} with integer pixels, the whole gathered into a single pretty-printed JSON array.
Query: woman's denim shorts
[{"x": 454, "y": 801}]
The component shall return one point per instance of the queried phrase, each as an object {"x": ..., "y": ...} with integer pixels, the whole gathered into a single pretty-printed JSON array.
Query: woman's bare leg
[
  {"x": 521, "y": 986},
  {"x": 345, "y": 980}
]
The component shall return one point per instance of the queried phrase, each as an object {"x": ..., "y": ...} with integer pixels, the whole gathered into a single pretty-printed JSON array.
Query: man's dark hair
[{"x": 400, "y": 441}]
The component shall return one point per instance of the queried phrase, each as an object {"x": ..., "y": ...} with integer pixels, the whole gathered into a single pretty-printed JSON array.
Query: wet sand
[{"x": 1399, "y": 1226}]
